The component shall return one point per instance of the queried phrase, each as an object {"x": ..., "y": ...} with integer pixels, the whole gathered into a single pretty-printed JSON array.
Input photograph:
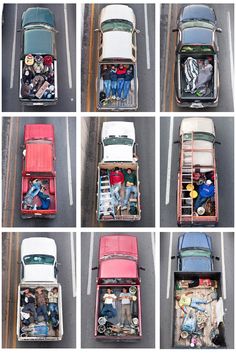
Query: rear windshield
[
  {"x": 38, "y": 260},
  {"x": 117, "y": 25},
  {"x": 197, "y": 49},
  {"x": 118, "y": 141},
  {"x": 202, "y": 136}
]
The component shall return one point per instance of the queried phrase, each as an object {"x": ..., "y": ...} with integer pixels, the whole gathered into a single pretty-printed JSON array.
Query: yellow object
[
  {"x": 190, "y": 187},
  {"x": 184, "y": 300},
  {"x": 193, "y": 194}
]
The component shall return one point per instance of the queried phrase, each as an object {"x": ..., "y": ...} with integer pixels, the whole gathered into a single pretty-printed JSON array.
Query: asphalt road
[
  {"x": 12, "y": 140},
  {"x": 145, "y": 137},
  {"x": 66, "y": 57},
  {"x": 166, "y": 296},
  {"x": 146, "y": 72},
  {"x": 224, "y": 164},
  {"x": 225, "y": 18},
  {"x": 11, "y": 243},
  {"x": 146, "y": 255}
]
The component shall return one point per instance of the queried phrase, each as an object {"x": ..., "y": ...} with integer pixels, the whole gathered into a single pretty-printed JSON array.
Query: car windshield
[
  {"x": 196, "y": 264},
  {"x": 202, "y": 136},
  {"x": 118, "y": 141},
  {"x": 39, "y": 260},
  {"x": 197, "y": 49},
  {"x": 117, "y": 25},
  {"x": 196, "y": 23},
  {"x": 194, "y": 253}
]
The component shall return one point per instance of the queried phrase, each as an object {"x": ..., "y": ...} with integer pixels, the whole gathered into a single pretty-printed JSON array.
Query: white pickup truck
[
  {"x": 118, "y": 166},
  {"x": 39, "y": 278},
  {"x": 117, "y": 46}
]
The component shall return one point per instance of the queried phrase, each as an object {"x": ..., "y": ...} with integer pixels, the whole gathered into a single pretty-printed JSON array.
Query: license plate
[{"x": 197, "y": 105}]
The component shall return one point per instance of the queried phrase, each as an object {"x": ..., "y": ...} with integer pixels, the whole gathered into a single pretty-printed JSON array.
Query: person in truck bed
[
  {"x": 116, "y": 180},
  {"x": 185, "y": 300},
  {"x": 29, "y": 303},
  {"x": 108, "y": 310},
  {"x": 128, "y": 78},
  {"x": 125, "y": 297},
  {"x": 121, "y": 72},
  {"x": 41, "y": 302},
  {"x": 130, "y": 185}
]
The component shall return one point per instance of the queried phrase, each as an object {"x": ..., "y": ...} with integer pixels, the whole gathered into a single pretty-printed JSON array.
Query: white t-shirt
[
  {"x": 109, "y": 298},
  {"x": 125, "y": 298}
]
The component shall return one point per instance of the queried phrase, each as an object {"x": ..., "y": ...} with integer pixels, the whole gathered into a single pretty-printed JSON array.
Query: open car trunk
[
  {"x": 112, "y": 328},
  {"x": 38, "y": 87},
  {"x": 33, "y": 206},
  {"x": 195, "y": 328},
  {"x": 106, "y": 208},
  {"x": 27, "y": 328},
  {"x": 131, "y": 103}
]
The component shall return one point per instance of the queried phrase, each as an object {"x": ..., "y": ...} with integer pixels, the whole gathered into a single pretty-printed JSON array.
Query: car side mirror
[
  {"x": 137, "y": 31},
  {"x": 175, "y": 30},
  {"x": 218, "y": 142},
  {"x": 173, "y": 257},
  {"x": 217, "y": 258},
  {"x": 142, "y": 268},
  {"x": 177, "y": 141},
  {"x": 97, "y": 30},
  {"x": 94, "y": 268},
  {"x": 219, "y": 30}
]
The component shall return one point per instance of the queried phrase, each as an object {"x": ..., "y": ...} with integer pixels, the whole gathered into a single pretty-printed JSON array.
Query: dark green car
[{"x": 38, "y": 63}]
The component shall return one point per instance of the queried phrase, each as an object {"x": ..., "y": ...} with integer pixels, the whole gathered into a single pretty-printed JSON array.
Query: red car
[
  {"x": 38, "y": 191},
  {"x": 118, "y": 297}
]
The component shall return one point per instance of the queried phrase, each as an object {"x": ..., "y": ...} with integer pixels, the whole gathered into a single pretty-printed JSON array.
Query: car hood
[
  {"x": 118, "y": 153},
  {"x": 196, "y": 264},
  {"x": 39, "y": 273}
]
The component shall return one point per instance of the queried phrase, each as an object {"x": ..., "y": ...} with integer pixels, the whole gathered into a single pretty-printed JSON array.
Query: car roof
[
  {"x": 118, "y": 268},
  {"x": 195, "y": 240},
  {"x": 38, "y": 131},
  {"x": 34, "y": 15},
  {"x": 197, "y": 36},
  {"x": 118, "y": 245},
  {"x": 39, "y": 41},
  {"x": 197, "y": 12},
  {"x": 39, "y": 158}
]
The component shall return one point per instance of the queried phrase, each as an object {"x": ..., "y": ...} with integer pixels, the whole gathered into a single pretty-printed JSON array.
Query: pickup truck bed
[
  {"x": 112, "y": 327},
  {"x": 38, "y": 331},
  {"x": 206, "y": 323}
]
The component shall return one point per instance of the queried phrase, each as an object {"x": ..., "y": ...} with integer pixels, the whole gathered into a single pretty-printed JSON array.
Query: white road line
[
  {"x": 223, "y": 265},
  {"x": 147, "y": 37},
  {"x": 153, "y": 249},
  {"x": 13, "y": 50},
  {"x": 67, "y": 48},
  {"x": 169, "y": 161},
  {"x": 90, "y": 263},
  {"x": 230, "y": 51},
  {"x": 69, "y": 163},
  {"x": 169, "y": 267},
  {"x": 73, "y": 272}
]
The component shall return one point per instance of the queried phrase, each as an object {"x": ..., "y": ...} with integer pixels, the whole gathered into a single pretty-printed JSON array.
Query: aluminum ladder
[{"x": 106, "y": 202}]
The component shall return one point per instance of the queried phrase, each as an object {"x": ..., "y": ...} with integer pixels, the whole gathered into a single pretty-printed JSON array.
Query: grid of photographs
[{"x": 117, "y": 130}]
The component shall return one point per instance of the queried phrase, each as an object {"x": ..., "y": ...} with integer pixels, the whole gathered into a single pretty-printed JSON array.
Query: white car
[{"x": 39, "y": 260}]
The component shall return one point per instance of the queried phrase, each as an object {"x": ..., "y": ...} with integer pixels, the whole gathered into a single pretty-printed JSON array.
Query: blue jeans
[
  {"x": 120, "y": 85},
  {"x": 196, "y": 301},
  {"x": 53, "y": 308},
  {"x": 30, "y": 308},
  {"x": 113, "y": 87},
  {"x": 108, "y": 311},
  {"x": 127, "y": 85},
  {"x": 128, "y": 190},
  {"x": 42, "y": 310},
  {"x": 116, "y": 193},
  {"x": 107, "y": 87},
  {"x": 199, "y": 202}
]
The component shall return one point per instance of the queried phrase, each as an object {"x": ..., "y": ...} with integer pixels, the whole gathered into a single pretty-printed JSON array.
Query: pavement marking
[
  {"x": 168, "y": 173},
  {"x": 73, "y": 272},
  {"x": 16, "y": 282},
  {"x": 147, "y": 37},
  {"x": 223, "y": 265},
  {"x": 153, "y": 249},
  {"x": 14, "y": 174},
  {"x": 90, "y": 263},
  {"x": 169, "y": 267},
  {"x": 166, "y": 58},
  {"x": 13, "y": 49},
  {"x": 68, "y": 55},
  {"x": 8, "y": 291},
  {"x": 90, "y": 59},
  {"x": 69, "y": 174},
  {"x": 230, "y": 51}
]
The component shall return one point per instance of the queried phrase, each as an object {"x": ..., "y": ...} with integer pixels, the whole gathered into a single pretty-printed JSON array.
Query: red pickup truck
[
  {"x": 38, "y": 190},
  {"x": 118, "y": 298}
]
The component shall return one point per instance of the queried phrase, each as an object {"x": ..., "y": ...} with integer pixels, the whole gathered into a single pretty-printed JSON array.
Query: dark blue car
[{"x": 195, "y": 252}]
